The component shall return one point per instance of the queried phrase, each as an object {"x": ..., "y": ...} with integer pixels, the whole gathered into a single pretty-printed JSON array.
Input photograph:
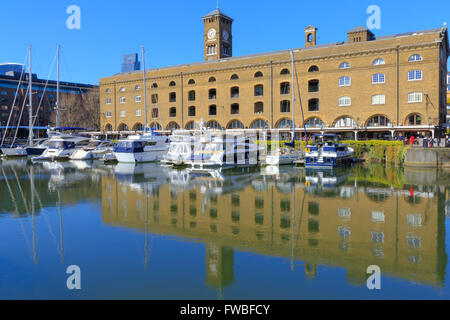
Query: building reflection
[{"x": 346, "y": 219}]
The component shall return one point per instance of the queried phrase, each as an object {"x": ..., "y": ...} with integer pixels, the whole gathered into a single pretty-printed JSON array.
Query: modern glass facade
[{"x": 130, "y": 62}]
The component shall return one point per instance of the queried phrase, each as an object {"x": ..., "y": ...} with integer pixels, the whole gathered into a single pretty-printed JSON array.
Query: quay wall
[{"x": 428, "y": 158}]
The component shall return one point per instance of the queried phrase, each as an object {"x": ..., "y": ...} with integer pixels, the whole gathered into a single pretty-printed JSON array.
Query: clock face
[
  {"x": 211, "y": 34},
  {"x": 226, "y": 36}
]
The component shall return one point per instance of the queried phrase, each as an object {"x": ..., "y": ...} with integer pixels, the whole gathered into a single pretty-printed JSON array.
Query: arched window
[
  {"x": 172, "y": 97},
  {"x": 235, "y": 124},
  {"x": 414, "y": 120},
  {"x": 345, "y": 81},
  {"x": 213, "y": 124},
  {"x": 344, "y": 65},
  {"x": 191, "y": 95},
  {"x": 285, "y": 71},
  {"x": 314, "y": 123},
  {"x": 285, "y": 88},
  {"x": 154, "y": 85},
  {"x": 259, "y": 124},
  {"x": 378, "y": 120},
  {"x": 191, "y": 81},
  {"x": 258, "y": 74},
  {"x": 234, "y": 92},
  {"x": 259, "y": 90},
  {"x": 309, "y": 38},
  {"x": 122, "y": 89},
  {"x": 285, "y": 106},
  {"x": 415, "y": 57},
  {"x": 234, "y": 108},
  {"x": 172, "y": 112},
  {"x": 313, "y": 86},
  {"x": 172, "y": 84},
  {"x": 155, "y": 126},
  {"x": 108, "y": 90},
  {"x": 259, "y": 107},
  {"x": 190, "y": 125},
  {"x": 212, "y": 110},
  {"x": 108, "y": 127},
  {"x": 313, "y": 69},
  {"x": 191, "y": 111},
  {"x": 212, "y": 79},
  {"x": 234, "y": 77},
  {"x": 345, "y": 122},
  {"x": 138, "y": 127},
  {"x": 212, "y": 94},
  {"x": 378, "y": 62},
  {"x": 137, "y": 88},
  {"x": 313, "y": 105},
  {"x": 123, "y": 127},
  {"x": 284, "y": 123},
  {"x": 345, "y": 101},
  {"x": 173, "y": 126}
]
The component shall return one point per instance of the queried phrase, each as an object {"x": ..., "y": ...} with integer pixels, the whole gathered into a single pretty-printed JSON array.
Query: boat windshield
[
  {"x": 55, "y": 144},
  {"x": 93, "y": 144}
]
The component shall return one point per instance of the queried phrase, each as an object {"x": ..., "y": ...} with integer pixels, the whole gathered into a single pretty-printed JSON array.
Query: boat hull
[
  {"x": 140, "y": 157},
  {"x": 14, "y": 152}
]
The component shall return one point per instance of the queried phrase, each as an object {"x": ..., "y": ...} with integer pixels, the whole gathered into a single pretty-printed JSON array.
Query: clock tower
[{"x": 217, "y": 36}]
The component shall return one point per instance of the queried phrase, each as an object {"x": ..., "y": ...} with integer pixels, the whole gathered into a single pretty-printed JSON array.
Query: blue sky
[{"x": 172, "y": 31}]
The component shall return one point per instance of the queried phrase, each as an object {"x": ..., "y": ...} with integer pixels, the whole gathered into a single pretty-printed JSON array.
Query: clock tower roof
[{"x": 217, "y": 12}]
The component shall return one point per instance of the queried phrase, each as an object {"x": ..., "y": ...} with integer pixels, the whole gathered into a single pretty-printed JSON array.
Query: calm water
[{"x": 149, "y": 232}]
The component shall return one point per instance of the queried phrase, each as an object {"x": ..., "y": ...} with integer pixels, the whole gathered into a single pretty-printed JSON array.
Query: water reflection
[{"x": 346, "y": 218}]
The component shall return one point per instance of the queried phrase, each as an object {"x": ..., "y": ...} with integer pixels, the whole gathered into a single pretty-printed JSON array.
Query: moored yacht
[
  {"x": 96, "y": 149},
  {"x": 147, "y": 147},
  {"x": 327, "y": 152},
  {"x": 62, "y": 147}
]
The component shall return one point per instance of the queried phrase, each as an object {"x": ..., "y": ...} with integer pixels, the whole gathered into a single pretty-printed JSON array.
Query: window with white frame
[
  {"x": 377, "y": 237},
  {"x": 212, "y": 49},
  {"x": 345, "y": 81},
  {"x": 122, "y": 89},
  {"x": 378, "y": 78},
  {"x": 344, "y": 65},
  {"x": 137, "y": 88},
  {"x": 378, "y": 62},
  {"x": 415, "y": 75},
  {"x": 138, "y": 99},
  {"x": 138, "y": 112},
  {"x": 345, "y": 101},
  {"x": 378, "y": 99},
  {"x": 377, "y": 216},
  {"x": 123, "y": 113},
  {"x": 414, "y": 220},
  {"x": 108, "y": 114},
  {"x": 108, "y": 101},
  {"x": 415, "y": 97},
  {"x": 123, "y": 100},
  {"x": 415, "y": 57}
]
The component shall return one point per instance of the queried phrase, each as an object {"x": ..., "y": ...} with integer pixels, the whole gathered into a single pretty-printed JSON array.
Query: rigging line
[
  {"x": 61, "y": 238},
  {"x": 11, "y": 194},
  {"x": 45, "y": 88},
  {"x": 300, "y": 100},
  {"x": 20, "y": 117},
  {"x": 15, "y": 98},
  {"x": 21, "y": 193}
]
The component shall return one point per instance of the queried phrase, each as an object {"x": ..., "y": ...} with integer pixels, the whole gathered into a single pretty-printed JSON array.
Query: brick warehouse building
[
  {"x": 367, "y": 84},
  {"x": 9, "y": 80}
]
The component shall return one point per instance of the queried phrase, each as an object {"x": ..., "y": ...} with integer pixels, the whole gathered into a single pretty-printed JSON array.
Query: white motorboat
[
  {"x": 180, "y": 150},
  {"x": 147, "y": 147},
  {"x": 62, "y": 147},
  {"x": 96, "y": 149},
  {"x": 284, "y": 156},
  {"x": 327, "y": 152}
]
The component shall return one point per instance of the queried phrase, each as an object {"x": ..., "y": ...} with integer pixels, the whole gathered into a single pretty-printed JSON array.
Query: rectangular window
[
  {"x": 378, "y": 237},
  {"x": 108, "y": 101},
  {"x": 378, "y": 99},
  {"x": 345, "y": 102},
  {"x": 123, "y": 100},
  {"x": 122, "y": 113},
  {"x": 415, "y": 75},
  {"x": 155, "y": 98},
  {"x": 108, "y": 114},
  {"x": 378, "y": 78},
  {"x": 138, "y": 99},
  {"x": 212, "y": 49},
  {"x": 415, "y": 97},
  {"x": 377, "y": 216},
  {"x": 155, "y": 113},
  {"x": 138, "y": 112},
  {"x": 345, "y": 81}
]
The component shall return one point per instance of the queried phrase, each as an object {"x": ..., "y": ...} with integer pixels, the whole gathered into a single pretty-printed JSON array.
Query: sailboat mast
[
  {"x": 30, "y": 97},
  {"x": 57, "y": 87},
  {"x": 145, "y": 88},
  {"x": 293, "y": 96}
]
